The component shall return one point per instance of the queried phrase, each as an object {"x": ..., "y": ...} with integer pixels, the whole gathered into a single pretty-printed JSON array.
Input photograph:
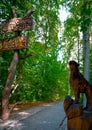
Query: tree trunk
[
  {"x": 86, "y": 58},
  {"x": 7, "y": 90},
  {"x": 86, "y": 45}
]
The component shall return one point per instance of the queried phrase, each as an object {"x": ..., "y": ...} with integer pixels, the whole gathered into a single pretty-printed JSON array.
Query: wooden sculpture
[{"x": 80, "y": 84}]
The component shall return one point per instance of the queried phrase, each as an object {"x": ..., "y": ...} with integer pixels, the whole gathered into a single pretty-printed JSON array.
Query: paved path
[{"x": 48, "y": 116}]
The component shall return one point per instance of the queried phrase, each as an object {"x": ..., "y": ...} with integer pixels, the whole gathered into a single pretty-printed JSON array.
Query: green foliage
[
  {"x": 85, "y": 15},
  {"x": 42, "y": 76},
  {"x": 38, "y": 77}
]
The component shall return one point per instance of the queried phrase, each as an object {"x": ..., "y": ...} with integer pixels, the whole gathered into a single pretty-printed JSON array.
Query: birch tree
[{"x": 86, "y": 40}]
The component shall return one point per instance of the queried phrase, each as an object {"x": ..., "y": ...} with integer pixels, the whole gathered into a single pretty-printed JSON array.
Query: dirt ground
[{"x": 22, "y": 106}]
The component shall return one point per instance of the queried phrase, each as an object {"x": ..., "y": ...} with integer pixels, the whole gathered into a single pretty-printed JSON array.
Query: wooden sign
[
  {"x": 19, "y": 42},
  {"x": 17, "y": 24}
]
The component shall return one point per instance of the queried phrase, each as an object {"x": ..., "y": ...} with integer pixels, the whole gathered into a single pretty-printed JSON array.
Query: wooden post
[
  {"x": 7, "y": 90},
  {"x": 14, "y": 25}
]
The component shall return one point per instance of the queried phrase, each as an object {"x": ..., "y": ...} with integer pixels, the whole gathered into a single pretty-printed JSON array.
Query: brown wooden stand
[
  {"x": 77, "y": 118},
  {"x": 83, "y": 122}
]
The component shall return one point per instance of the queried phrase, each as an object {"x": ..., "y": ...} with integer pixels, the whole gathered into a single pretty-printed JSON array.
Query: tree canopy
[{"x": 44, "y": 76}]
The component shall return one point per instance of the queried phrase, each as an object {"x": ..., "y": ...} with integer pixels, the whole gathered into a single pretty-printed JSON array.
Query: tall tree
[
  {"x": 86, "y": 38},
  {"x": 80, "y": 11}
]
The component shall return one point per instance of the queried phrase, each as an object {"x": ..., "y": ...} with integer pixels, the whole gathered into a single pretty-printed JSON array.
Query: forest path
[{"x": 46, "y": 116}]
